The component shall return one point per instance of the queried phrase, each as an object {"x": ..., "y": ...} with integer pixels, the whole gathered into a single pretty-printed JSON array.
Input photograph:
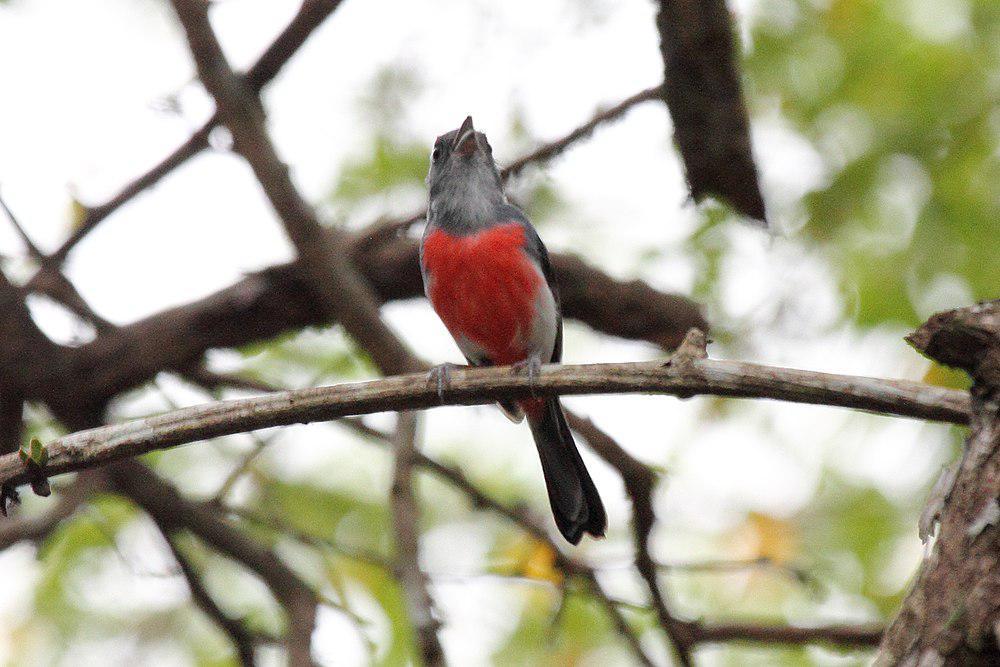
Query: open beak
[{"x": 465, "y": 139}]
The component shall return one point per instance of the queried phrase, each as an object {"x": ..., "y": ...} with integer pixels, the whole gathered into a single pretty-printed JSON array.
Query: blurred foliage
[{"x": 899, "y": 99}]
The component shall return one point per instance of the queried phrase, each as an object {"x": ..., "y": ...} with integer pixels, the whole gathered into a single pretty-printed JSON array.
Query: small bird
[{"x": 488, "y": 277}]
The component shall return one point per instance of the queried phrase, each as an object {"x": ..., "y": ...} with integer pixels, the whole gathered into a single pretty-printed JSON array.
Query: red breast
[{"x": 484, "y": 287}]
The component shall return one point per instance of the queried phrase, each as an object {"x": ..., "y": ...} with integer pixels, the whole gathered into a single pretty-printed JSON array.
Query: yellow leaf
[
  {"x": 943, "y": 376},
  {"x": 77, "y": 213},
  {"x": 765, "y": 536}
]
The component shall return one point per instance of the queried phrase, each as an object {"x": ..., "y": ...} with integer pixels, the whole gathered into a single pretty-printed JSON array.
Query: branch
[
  {"x": 539, "y": 155},
  {"x": 311, "y": 14},
  {"x": 702, "y": 90},
  {"x": 862, "y": 636},
  {"x": 520, "y": 518},
  {"x": 342, "y": 293},
  {"x": 475, "y": 386},
  {"x": 405, "y": 523},
  {"x": 243, "y": 641},
  {"x": 639, "y": 482},
  {"x": 168, "y": 508}
]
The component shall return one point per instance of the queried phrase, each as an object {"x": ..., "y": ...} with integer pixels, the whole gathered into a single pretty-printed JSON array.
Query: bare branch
[
  {"x": 474, "y": 386},
  {"x": 539, "y": 155},
  {"x": 169, "y": 509},
  {"x": 405, "y": 523},
  {"x": 851, "y": 635},
  {"x": 639, "y": 482},
  {"x": 242, "y": 640},
  {"x": 310, "y": 16},
  {"x": 341, "y": 292}
]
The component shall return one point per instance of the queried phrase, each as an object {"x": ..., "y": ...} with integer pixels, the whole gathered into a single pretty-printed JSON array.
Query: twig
[
  {"x": 167, "y": 507},
  {"x": 33, "y": 250},
  {"x": 243, "y": 641},
  {"x": 405, "y": 524},
  {"x": 476, "y": 386},
  {"x": 541, "y": 154}
]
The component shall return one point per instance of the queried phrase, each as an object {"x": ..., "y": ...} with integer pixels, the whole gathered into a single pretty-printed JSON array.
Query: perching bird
[{"x": 488, "y": 277}]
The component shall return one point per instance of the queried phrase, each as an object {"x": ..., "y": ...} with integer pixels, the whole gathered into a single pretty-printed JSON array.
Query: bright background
[{"x": 876, "y": 131}]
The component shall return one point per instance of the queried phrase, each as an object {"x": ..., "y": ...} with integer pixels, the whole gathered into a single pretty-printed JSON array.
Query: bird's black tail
[{"x": 576, "y": 505}]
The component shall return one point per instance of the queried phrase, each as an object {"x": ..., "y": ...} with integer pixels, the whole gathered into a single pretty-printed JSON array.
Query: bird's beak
[{"x": 465, "y": 139}]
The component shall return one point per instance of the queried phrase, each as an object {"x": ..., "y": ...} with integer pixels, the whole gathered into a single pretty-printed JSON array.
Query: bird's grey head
[{"x": 464, "y": 180}]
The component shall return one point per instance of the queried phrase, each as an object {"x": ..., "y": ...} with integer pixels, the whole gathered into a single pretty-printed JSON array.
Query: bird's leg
[
  {"x": 531, "y": 366},
  {"x": 440, "y": 377}
]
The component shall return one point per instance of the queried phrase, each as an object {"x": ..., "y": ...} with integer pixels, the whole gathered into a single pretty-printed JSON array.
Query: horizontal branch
[
  {"x": 864, "y": 636},
  {"x": 683, "y": 376}
]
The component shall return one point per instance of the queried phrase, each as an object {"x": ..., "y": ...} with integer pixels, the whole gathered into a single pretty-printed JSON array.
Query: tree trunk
[{"x": 952, "y": 615}]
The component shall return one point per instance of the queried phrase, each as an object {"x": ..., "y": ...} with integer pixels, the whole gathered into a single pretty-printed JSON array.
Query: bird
[{"x": 488, "y": 277}]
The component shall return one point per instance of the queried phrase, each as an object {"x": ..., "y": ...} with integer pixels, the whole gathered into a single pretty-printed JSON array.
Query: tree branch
[
  {"x": 539, "y": 155},
  {"x": 169, "y": 509},
  {"x": 242, "y": 640},
  {"x": 474, "y": 386},
  {"x": 703, "y": 92},
  {"x": 405, "y": 523},
  {"x": 342, "y": 293},
  {"x": 861, "y": 636},
  {"x": 310, "y": 16}
]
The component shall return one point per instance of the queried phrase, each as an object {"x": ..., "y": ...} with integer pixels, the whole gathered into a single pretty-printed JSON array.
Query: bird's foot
[
  {"x": 440, "y": 378},
  {"x": 532, "y": 367}
]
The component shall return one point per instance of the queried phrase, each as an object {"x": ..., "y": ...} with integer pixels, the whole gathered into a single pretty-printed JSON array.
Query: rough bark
[{"x": 952, "y": 615}]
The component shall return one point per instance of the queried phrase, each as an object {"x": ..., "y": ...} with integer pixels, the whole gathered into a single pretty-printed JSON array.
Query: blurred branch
[
  {"x": 311, "y": 14},
  {"x": 539, "y": 155},
  {"x": 703, "y": 92},
  {"x": 406, "y": 527},
  {"x": 639, "y": 482},
  {"x": 680, "y": 376},
  {"x": 170, "y": 510},
  {"x": 850, "y": 635},
  {"x": 242, "y": 640},
  {"x": 279, "y": 299},
  {"x": 341, "y": 292}
]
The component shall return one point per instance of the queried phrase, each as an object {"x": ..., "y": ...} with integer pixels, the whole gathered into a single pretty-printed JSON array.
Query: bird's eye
[{"x": 436, "y": 155}]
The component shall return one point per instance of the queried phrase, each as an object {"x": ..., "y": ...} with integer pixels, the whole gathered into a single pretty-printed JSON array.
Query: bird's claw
[
  {"x": 532, "y": 367},
  {"x": 440, "y": 378}
]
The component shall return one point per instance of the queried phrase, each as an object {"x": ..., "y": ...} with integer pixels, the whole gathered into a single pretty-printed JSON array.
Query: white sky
[{"x": 83, "y": 84}]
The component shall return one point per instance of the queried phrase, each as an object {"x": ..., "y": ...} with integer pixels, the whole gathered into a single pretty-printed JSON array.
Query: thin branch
[
  {"x": 620, "y": 622},
  {"x": 639, "y": 482},
  {"x": 341, "y": 292},
  {"x": 33, "y": 250},
  {"x": 477, "y": 386},
  {"x": 310, "y": 16},
  {"x": 551, "y": 149},
  {"x": 406, "y": 523},
  {"x": 38, "y": 527},
  {"x": 862, "y": 636},
  {"x": 242, "y": 640},
  {"x": 539, "y": 155},
  {"x": 168, "y": 508}
]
